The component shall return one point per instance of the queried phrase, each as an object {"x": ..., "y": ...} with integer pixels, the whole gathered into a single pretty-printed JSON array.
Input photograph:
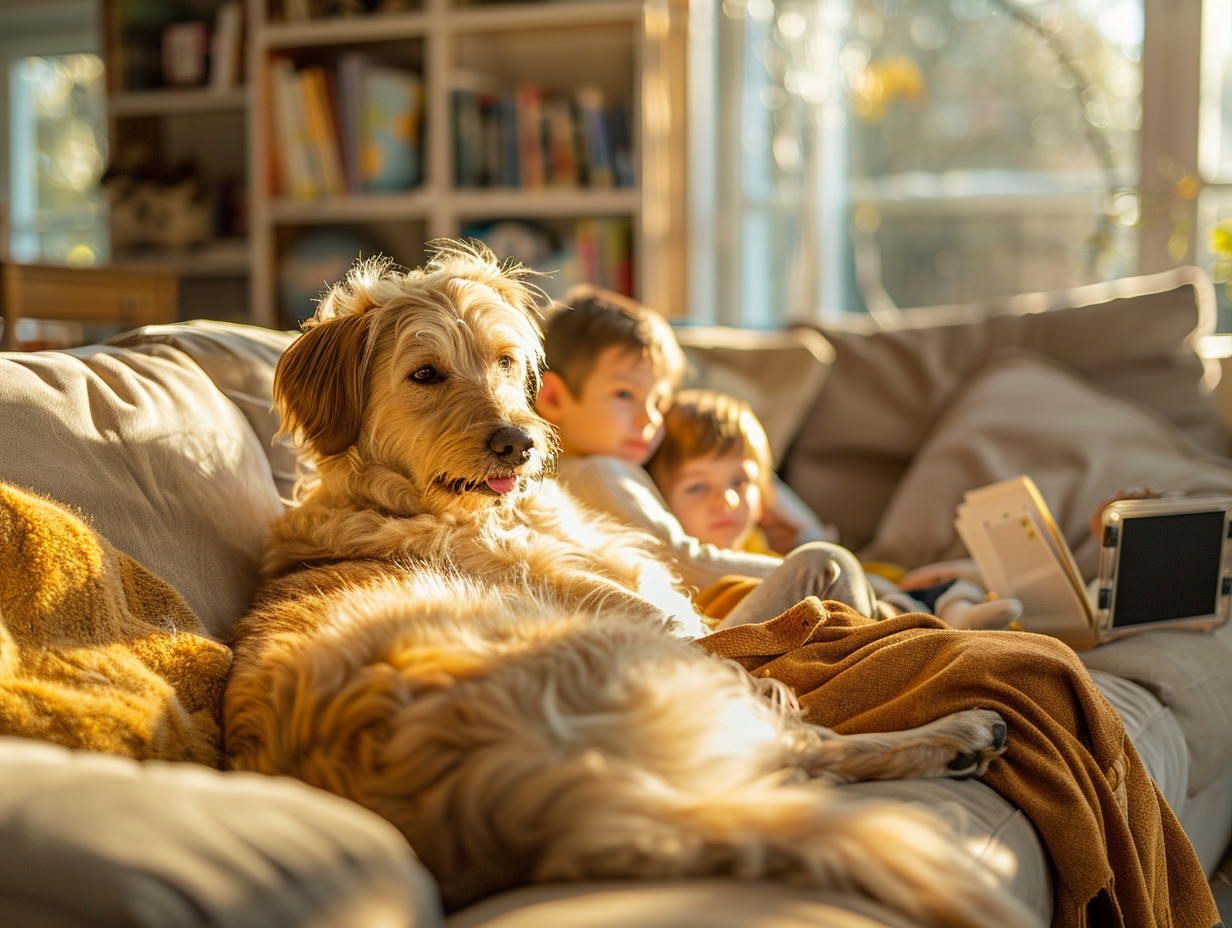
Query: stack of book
[
  {"x": 353, "y": 130},
  {"x": 532, "y": 138}
]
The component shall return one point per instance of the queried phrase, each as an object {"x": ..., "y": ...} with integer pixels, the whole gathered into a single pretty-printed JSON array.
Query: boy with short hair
[{"x": 612, "y": 371}]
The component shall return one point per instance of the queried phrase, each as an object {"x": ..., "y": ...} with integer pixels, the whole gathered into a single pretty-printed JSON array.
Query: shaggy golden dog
[{"x": 445, "y": 638}]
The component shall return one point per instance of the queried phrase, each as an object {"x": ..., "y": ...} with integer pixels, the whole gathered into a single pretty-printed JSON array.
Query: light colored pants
[{"x": 821, "y": 569}]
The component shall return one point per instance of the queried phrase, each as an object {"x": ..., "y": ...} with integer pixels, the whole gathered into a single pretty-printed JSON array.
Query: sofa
[{"x": 163, "y": 441}]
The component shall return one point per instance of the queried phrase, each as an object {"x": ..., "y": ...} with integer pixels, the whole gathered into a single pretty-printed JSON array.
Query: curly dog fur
[{"x": 446, "y": 638}]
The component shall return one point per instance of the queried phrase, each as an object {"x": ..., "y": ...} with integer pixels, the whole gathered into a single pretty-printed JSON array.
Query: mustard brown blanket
[
  {"x": 1120, "y": 856},
  {"x": 95, "y": 651}
]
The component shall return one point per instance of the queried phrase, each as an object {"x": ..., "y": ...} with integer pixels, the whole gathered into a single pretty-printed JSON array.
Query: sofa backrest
[
  {"x": 137, "y": 437},
  {"x": 886, "y": 389}
]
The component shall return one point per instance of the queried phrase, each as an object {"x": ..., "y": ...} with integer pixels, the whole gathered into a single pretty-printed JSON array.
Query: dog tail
[{"x": 899, "y": 855}]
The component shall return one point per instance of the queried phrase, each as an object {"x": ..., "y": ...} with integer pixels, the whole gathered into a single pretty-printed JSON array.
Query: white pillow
[{"x": 1025, "y": 414}]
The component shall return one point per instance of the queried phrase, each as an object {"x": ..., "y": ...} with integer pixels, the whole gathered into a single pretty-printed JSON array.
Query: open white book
[{"x": 1011, "y": 535}]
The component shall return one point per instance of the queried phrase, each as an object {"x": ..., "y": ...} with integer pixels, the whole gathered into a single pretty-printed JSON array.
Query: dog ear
[{"x": 319, "y": 383}]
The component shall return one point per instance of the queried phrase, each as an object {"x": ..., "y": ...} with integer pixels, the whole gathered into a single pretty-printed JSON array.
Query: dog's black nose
[{"x": 511, "y": 444}]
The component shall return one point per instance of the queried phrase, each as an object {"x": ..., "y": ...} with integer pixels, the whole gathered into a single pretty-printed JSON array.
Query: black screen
[{"x": 1168, "y": 567}]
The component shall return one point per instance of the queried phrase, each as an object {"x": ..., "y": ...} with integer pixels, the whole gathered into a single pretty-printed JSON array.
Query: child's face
[
  {"x": 717, "y": 498},
  {"x": 620, "y": 411}
]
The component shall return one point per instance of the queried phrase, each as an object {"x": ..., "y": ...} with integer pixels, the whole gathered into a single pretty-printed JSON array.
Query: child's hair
[
  {"x": 702, "y": 422},
  {"x": 592, "y": 320}
]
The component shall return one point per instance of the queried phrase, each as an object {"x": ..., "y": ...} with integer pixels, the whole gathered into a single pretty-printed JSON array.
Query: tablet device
[{"x": 1164, "y": 563}]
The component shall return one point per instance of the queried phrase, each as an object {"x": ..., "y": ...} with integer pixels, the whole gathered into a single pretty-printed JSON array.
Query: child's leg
[{"x": 821, "y": 569}]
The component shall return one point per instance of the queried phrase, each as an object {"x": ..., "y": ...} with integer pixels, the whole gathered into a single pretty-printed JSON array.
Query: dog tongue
[{"x": 502, "y": 484}]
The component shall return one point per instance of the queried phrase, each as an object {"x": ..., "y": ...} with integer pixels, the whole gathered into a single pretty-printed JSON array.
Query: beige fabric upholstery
[
  {"x": 240, "y": 360},
  {"x": 1024, "y": 414},
  {"x": 98, "y": 841},
  {"x": 777, "y": 373},
  {"x": 163, "y": 465},
  {"x": 1155, "y": 733},
  {"x": 885, "y": 389},
  {"x": 1191, "y": 674},
  {"x": 691, "y": 904},
  {"x": 1002, "y": 842}
]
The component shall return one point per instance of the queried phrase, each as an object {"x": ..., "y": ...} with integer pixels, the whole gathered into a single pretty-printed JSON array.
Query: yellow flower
[{"x": 1221, "y": 238}]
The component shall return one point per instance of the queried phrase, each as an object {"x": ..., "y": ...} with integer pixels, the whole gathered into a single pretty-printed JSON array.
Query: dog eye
[
  {"x": 505, "y": 362},
  {"x": 427, "y": 374}
]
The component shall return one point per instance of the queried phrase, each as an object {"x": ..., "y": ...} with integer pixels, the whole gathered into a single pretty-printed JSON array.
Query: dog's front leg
[{"x": 957, "y": 746}]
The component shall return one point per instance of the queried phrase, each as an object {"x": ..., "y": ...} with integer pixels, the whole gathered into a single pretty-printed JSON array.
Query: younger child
[{"x": 713, "y": 469}]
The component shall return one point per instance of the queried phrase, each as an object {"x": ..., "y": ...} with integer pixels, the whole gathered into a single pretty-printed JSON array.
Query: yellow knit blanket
[{"x": 95, "y": 651}]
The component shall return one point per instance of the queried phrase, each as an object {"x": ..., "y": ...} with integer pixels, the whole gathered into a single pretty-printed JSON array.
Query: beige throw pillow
[
  {"x": 1025, "y": 414},
  {"x": 885, "y": 389},
  {"x": 777, "y": 373},
  {"x": 240, "y": 360}
]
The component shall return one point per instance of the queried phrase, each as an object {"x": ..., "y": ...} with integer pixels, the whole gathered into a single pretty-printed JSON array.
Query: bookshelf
[
  {"x": 178, "y": 175},
  {"x": 619, "y": 224},
  {"x": 449, "y": 71}
]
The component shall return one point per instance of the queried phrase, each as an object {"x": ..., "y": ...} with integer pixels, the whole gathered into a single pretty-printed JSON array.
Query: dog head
[{"x": 425, "y": 379}]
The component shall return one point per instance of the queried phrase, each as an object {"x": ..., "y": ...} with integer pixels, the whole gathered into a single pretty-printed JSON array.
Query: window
[
  {"x": 869, "y": 155},
  {"x": 53, "y": 141}
]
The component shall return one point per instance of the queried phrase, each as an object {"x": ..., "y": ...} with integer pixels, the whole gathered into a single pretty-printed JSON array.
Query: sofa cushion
[
  {"x": 885, "y": 389},
  {"x": 1025, "y": 414},
  {"x": 779, "y": 373},
  {"x": 1155, "y": 733},
  {"x": 1003, "y": 843},
  {"x": 240, "y": 359},
  {"x": 165, "y": 467},
  {"x": 99, "y": 841},
  {"x": 676, "y": 904},
  {"x": 1190, "y": 673}
]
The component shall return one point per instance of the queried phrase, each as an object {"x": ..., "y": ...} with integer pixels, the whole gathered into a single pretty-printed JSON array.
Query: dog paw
[{"x": 981, "y": 736}]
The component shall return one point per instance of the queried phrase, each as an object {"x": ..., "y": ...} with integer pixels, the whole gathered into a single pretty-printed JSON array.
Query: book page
[{"x": 1012, "y": 537}]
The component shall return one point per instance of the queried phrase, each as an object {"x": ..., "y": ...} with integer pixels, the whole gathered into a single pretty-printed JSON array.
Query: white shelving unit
[
  {"x": 620, "y": 45},
  {"x": 632, "y": 49}
]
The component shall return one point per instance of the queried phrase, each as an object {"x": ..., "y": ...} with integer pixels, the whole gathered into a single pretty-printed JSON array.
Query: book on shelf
[
  {"x": 586, "y": 250},
  {"x": 532, "y": 174},
  {"x": 295, "y": 164},
  {"x": 388, "y": 138},
  {"x": 317, "y": 91},
  {"x": 472, "y": 146},
  {"x": 598, "y": 156},
  {"x": 226, "y": 47},
  {"x": 604, "y": 253},
  {"x": 355, "y": 129}
]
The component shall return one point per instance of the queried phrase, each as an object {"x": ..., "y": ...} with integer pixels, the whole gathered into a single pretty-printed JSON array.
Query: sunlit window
[
  {"x": 870, "y": 155},
  {"x": 58, "y": 153}
]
